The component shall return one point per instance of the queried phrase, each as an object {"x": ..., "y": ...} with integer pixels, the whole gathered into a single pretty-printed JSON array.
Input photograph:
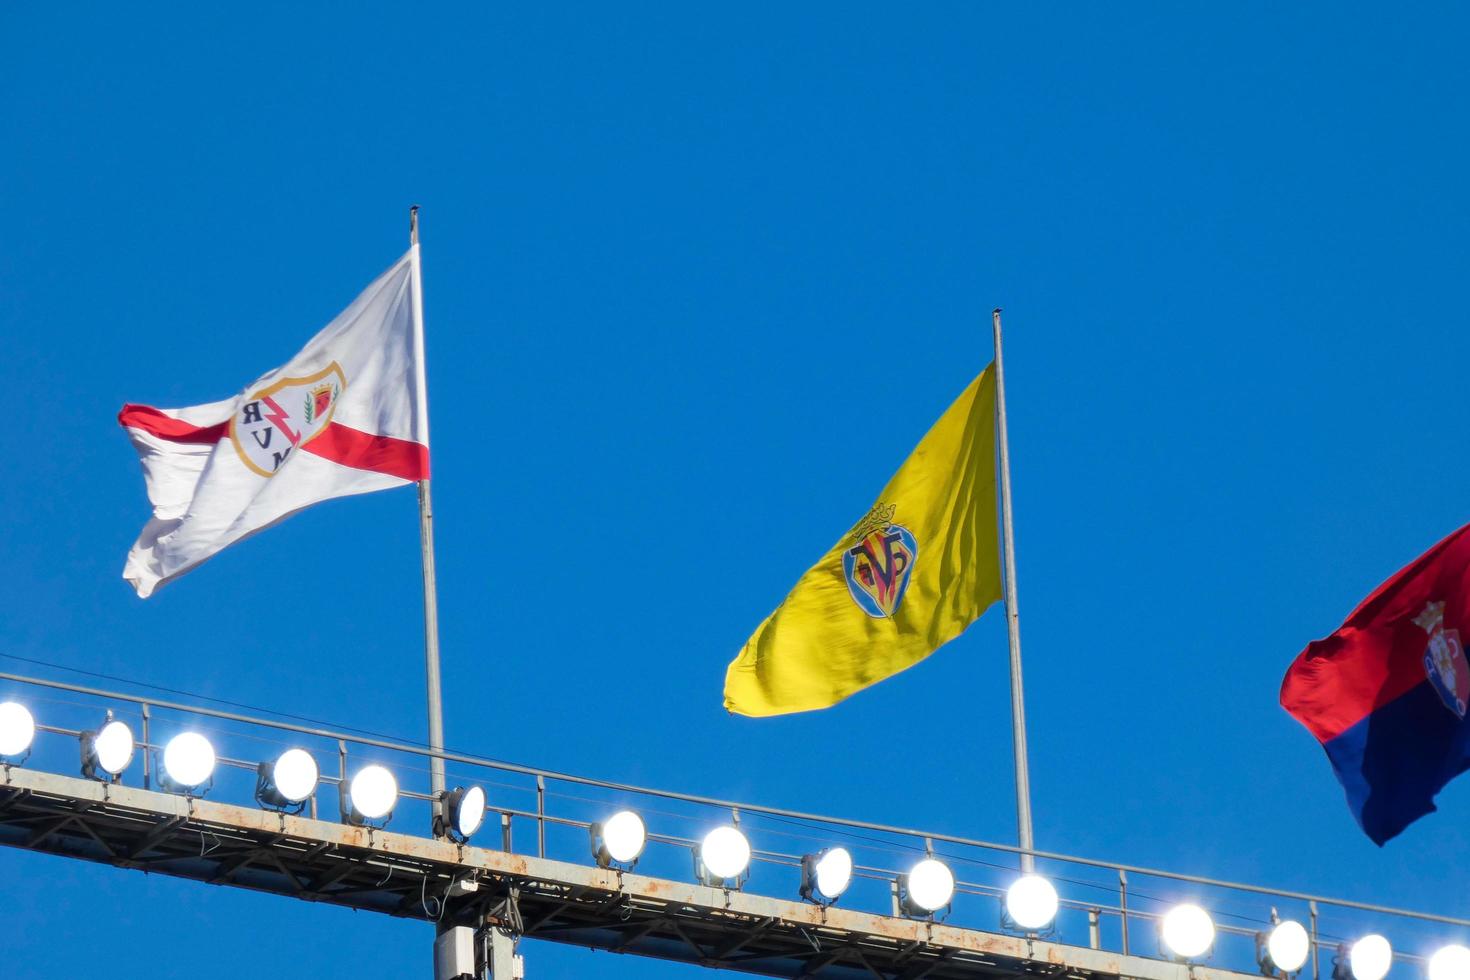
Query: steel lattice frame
[{"x": 539, "y": 898}]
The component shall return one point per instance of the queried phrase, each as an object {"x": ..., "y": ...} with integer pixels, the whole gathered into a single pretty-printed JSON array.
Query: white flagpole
[
  {"x": 1013, "y": 618},
  {"x": 426, "y": 542}
]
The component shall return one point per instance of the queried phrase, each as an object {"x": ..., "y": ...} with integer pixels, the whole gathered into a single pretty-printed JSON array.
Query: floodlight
[
  {"x": 927, "y": 888},
  {"x": 461, "y": 812},
  {"x": 1031, "y": 902},
  {"x": 373, "y": 793},
  {"x": 723, "y": 857},
  {"x": 188, "y": 763},
  {"x": 619, "y": 839},
  {"x": 288, "y": 782},
  {"x": 826, "y": 875},
  {"x": 1370, "y": 957},
  {"x": 1187, "y": 931},
  {"x": 17, "y": 730},
  {"x": 1284, "y": 949},
  {"x": 1450, "y": 962},
  {"x": 107, "y": 751}
]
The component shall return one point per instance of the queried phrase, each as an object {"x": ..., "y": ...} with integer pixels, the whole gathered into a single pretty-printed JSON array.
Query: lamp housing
[
  {"x": 188, "y": 765},
  {"x": 1367, "y": 959},
  {"x": 1031, "y": 903},
  {"x": 926, "y": 888},
  {"x": 618, "y": 841},
  {"x": 370, "y": 797},
  {"x": 461, "y": 812},
  {"x": 1187, "y": 931},
  {"x": 1450, "y": 962},
  {"x": 287, "y": 782},
  {"x": 107, "y": 750},
  {"x": 1284, "y": 950},
  {"x": 825, "y": 875},
  {"x": 17, "y": 732},
  {"x": 722, "y": 859}
]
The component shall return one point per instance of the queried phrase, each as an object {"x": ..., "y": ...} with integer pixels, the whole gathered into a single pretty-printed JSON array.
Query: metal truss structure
[
  {"x": 515, "y": 895},
  {"x": 559, "y": 886}
]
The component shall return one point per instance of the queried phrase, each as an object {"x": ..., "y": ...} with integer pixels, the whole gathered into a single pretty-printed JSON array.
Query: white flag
[{"x": 347, "y": 415}]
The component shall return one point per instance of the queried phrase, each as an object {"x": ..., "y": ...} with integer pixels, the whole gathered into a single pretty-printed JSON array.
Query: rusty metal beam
[{"x": 380, "y": 871}]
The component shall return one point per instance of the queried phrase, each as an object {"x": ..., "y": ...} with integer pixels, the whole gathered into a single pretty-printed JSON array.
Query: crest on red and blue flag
[{"x": 1386, "y": 694}]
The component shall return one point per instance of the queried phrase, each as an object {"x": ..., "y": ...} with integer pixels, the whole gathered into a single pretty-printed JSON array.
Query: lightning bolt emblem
[{"x": 277, "y": 417}]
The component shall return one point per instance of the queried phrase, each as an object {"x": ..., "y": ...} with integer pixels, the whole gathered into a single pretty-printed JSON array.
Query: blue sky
[{"x": 696, "y": 281}]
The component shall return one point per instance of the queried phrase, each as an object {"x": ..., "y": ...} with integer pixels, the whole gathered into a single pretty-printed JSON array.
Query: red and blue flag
[{"x": 1386, "y": 694}]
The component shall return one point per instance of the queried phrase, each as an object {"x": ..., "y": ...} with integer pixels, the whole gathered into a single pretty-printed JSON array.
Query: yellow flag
[{"x": 909, "y": 577}]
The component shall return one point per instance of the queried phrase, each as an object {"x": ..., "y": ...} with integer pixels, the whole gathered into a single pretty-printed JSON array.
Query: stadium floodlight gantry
[{"x": 725, "y": 884}]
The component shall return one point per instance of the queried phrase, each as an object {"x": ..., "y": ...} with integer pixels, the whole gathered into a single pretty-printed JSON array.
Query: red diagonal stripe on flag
[
  {"x": 365, "y": 451},
  {"x": 156, "y": 423},
  {"x": 336, "y": 443}
]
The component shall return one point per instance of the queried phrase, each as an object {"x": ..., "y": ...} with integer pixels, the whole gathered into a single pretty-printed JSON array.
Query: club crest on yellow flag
[{"x": 910, "y": 575}]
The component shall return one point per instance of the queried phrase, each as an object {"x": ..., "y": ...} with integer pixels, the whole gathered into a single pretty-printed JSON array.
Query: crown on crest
[
  {"x": 880, "y": 516},
  {"x": 1432, "y": 618}
]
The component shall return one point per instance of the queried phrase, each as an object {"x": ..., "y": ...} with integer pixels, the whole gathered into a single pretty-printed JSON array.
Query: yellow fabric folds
[{"x": 909, "y": 577}]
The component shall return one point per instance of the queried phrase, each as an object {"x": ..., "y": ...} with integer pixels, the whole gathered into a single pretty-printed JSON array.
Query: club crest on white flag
[
  {"x": 264, "y": 433},
  {"x": 347, "y": 415}
]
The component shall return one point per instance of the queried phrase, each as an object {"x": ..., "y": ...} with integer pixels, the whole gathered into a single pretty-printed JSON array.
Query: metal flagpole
[
  {"x": 426, "y": 544},
  {"x": 1013, "y": 619}
]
